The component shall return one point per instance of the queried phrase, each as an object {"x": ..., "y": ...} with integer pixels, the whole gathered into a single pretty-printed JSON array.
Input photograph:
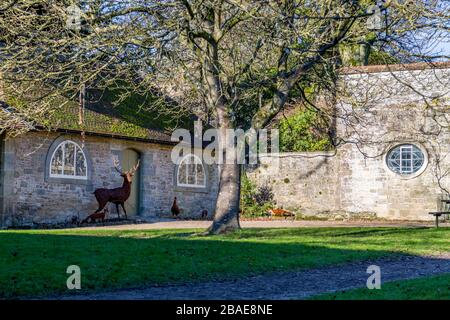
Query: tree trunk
[
  {"x": 226, "y": 217},
  {"x": 226, "y": 213}
]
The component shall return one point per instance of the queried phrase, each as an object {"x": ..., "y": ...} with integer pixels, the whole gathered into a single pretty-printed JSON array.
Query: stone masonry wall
[
  {"x": 305, "y": 182},
  {"x": 29, "y": 198},
  {"x": 376, "y": 112},
  {"x": 369, "y": 185},
  {"x": 380, "y": 111},
  {"x": 347, "y": 185}
]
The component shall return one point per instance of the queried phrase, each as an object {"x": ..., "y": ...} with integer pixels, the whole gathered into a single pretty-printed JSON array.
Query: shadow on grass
[
  {"x": 328, "y": 231},
  {"x": 34, "y": 264}
]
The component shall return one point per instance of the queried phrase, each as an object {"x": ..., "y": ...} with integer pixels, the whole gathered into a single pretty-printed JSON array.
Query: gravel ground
[
  {"x": 190, "y": 224},
  {"x": 287, "y": 285}
]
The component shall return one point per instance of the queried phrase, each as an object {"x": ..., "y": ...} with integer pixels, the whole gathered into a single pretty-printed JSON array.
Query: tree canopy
[{"x": 234, "y": 63}]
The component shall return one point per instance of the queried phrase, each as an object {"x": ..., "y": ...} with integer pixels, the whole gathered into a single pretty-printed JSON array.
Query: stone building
[
  {"x": 393, "y": 158},
  {"x": 50, "y": 176}
]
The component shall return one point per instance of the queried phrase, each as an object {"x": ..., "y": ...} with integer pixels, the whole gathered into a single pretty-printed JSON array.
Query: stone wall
[
  {"x": 375, "y": 112},
  {"x": 369, "y": 185},
  {"x": 347, "y": 185},
  {"x": 29, "y": 197},
  {"x": 301, "y": 181},
  {"x": 384, "y": 109}
]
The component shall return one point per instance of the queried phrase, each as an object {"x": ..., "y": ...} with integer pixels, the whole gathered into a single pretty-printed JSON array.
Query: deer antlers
[
  {"x": 118, "y": 168},
  {"x": 117, "y": 165},
  {"x": 132, "y": 171}
]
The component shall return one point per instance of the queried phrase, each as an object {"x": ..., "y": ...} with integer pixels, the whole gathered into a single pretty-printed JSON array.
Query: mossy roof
[{"x": 131, "y": 118}]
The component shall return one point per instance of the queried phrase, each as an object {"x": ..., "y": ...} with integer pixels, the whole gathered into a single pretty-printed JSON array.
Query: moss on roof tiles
[
  {"x": 67, "y": 117},
  {"x": 134, "y": 109},
  {"x": 129, "y": 118}
]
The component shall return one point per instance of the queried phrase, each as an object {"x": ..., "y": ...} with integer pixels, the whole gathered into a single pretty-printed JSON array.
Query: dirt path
[
  {"x": 190, "y": 224},
  {"x": 289, "y": 285}
]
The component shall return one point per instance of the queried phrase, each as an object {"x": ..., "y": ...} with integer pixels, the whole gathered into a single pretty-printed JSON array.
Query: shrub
[
  {"x": 264, "y": 194},
  {"x": 301, "y": 132},
  {"x": 255, "y": 201}
]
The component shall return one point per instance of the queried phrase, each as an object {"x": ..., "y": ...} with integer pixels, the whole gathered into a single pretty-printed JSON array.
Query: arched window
[
  {"x": 405, "y": 159},
  {"x": 191, "y": 172},
  {"x": 68, "y": 161}
]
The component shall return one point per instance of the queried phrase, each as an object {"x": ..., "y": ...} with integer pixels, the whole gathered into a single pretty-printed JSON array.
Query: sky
[{"x": 443, "y": 48}]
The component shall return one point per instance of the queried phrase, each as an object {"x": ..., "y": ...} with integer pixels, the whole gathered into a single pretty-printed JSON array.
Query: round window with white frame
[
  {"x": 191, "y": 172},
  {"x": 406, "y": 159},
  {"x": 68, "y": 161}
]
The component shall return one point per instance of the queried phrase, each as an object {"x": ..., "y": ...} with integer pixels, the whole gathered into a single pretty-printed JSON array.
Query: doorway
[
  {"x": 129, "y": 159},
  {"x": 2, "y": 175}
]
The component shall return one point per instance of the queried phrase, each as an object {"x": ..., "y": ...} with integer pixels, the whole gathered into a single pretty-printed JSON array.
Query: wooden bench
[{"x": 445, "y": 210}]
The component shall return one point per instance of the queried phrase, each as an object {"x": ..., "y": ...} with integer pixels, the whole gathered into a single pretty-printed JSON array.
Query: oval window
[{"x": 405, "y": 159}]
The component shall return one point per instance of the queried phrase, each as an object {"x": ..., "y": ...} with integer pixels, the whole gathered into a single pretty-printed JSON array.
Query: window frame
[
  {"x": 401, "y": 147},
  {"x": 65, "y": 176},
  {"x": 197, "y": 161}
]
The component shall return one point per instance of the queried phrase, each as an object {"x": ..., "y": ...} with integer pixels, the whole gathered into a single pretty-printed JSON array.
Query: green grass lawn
[
  {"x": 34, "y": 263},
  {"x": 427, "y": 288}
]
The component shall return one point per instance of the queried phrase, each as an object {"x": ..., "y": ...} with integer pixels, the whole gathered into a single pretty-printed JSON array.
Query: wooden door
[
  {"x": 2, "y": 176},
  {"x": 129, "y": 159}
]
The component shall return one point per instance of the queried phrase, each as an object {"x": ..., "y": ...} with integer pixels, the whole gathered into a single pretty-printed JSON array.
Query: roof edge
[
  {"x": 394, "y": 67},
  {"x": 108, "y": 135}
]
